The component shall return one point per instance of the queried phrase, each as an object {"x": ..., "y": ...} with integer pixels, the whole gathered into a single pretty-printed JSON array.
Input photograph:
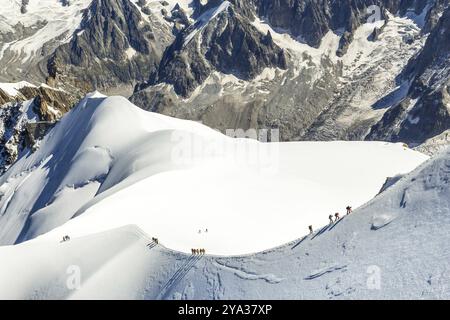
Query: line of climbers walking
[
  {"x": 198, "y": 251},
  {"x": 337, "y": 216},
  {"x": 156, "y": 242},
  {"x": 193, "y": 251}
]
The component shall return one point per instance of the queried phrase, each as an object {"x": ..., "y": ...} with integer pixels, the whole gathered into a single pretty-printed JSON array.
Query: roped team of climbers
[
  {"x": 337, "y": 216},
  {"x": 203, "y": 251},
  {"x": 193, "y": 251},
  {"x": 65, "y": 239},
  {"x": 198, "y": 251}
]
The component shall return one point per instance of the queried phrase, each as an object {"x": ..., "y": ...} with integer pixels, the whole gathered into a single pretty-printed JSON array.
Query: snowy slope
[
  {"x": 111, "y": 164},
  {"x": 261, "y": 208},
  {"x": 395, "y": 247}
]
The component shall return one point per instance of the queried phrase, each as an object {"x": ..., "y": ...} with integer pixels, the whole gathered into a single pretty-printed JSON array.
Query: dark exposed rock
[
  {"x": 433, "y": 15},
  {"x": 114, "y": 46},
  {"x": 229, "y": 44},
  {"x": 429, "y": 75},
  {"x": 36, "y": 131},
  {"x": 377, "y": 32},
  {"x": 290, "y": 106},
  {"x": 118, "y": 46},
  {"x": 180, "y": 16},
  {"x": 344, "y": 43},
  {"x": 23, "y": 6},
  {"x": 301, "y": 111},
  {"x": 430, "y": 117},
  {"x": 310, "y": 20},
  {"x": 179, "y": 19},
  {"x": 141, "y": 3},
  {"x": 18, "y": 133},
  {"x": 4, "y": 98},
  {"x": 434, "y": 55}
]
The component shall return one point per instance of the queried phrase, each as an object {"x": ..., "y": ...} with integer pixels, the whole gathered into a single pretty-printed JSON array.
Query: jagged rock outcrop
[
  {"x": 310, "y": 20},
  {"x": 221, "y": 39},
  {"x": 302, "y": 66},
  {"x": 23, "y": 6},
  {"x": 332, "y": 97},
  {"x": 425, "y": 111},
  {"x": 114, "y": 46},
  {"x": 178, "y": 18},
  {"x": 4, "y": 97},
  {"x": 26, "y": 116}
]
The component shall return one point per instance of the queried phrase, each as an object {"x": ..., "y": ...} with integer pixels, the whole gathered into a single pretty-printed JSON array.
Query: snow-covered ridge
[
  {"x": 108, "y": 163},
  {"x": 395, "y": 247},
  {"x": 12, "y": 89}
]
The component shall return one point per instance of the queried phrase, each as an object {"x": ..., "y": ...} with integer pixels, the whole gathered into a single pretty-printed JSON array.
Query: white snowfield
[
  {"x": 395, "y": 247},
  {"x": 108, "y": 164}
]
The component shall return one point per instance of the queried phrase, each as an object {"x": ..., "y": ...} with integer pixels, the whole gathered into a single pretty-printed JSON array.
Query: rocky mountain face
[
  {"x": 425, "y": 111},
  {"x": 228, "y": 43},
  {"x": 341, "y": 76},
  {"x": 116, "y": 44},
  {"x": 82, "y": 45},
  {"x": 315, "y": 69},
  {"x": 26, "y": 114},
  {"x": 310, "y": 20},
  {"x": 30, "y": 31}
]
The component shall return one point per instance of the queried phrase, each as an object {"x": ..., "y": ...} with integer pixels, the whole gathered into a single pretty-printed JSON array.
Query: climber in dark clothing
[
  {"x": 349, "y": 210},
  {"x": 331, "y": 219},
  {"x": 311, "y": 231},
  {"x": 337, "y": 217}
]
